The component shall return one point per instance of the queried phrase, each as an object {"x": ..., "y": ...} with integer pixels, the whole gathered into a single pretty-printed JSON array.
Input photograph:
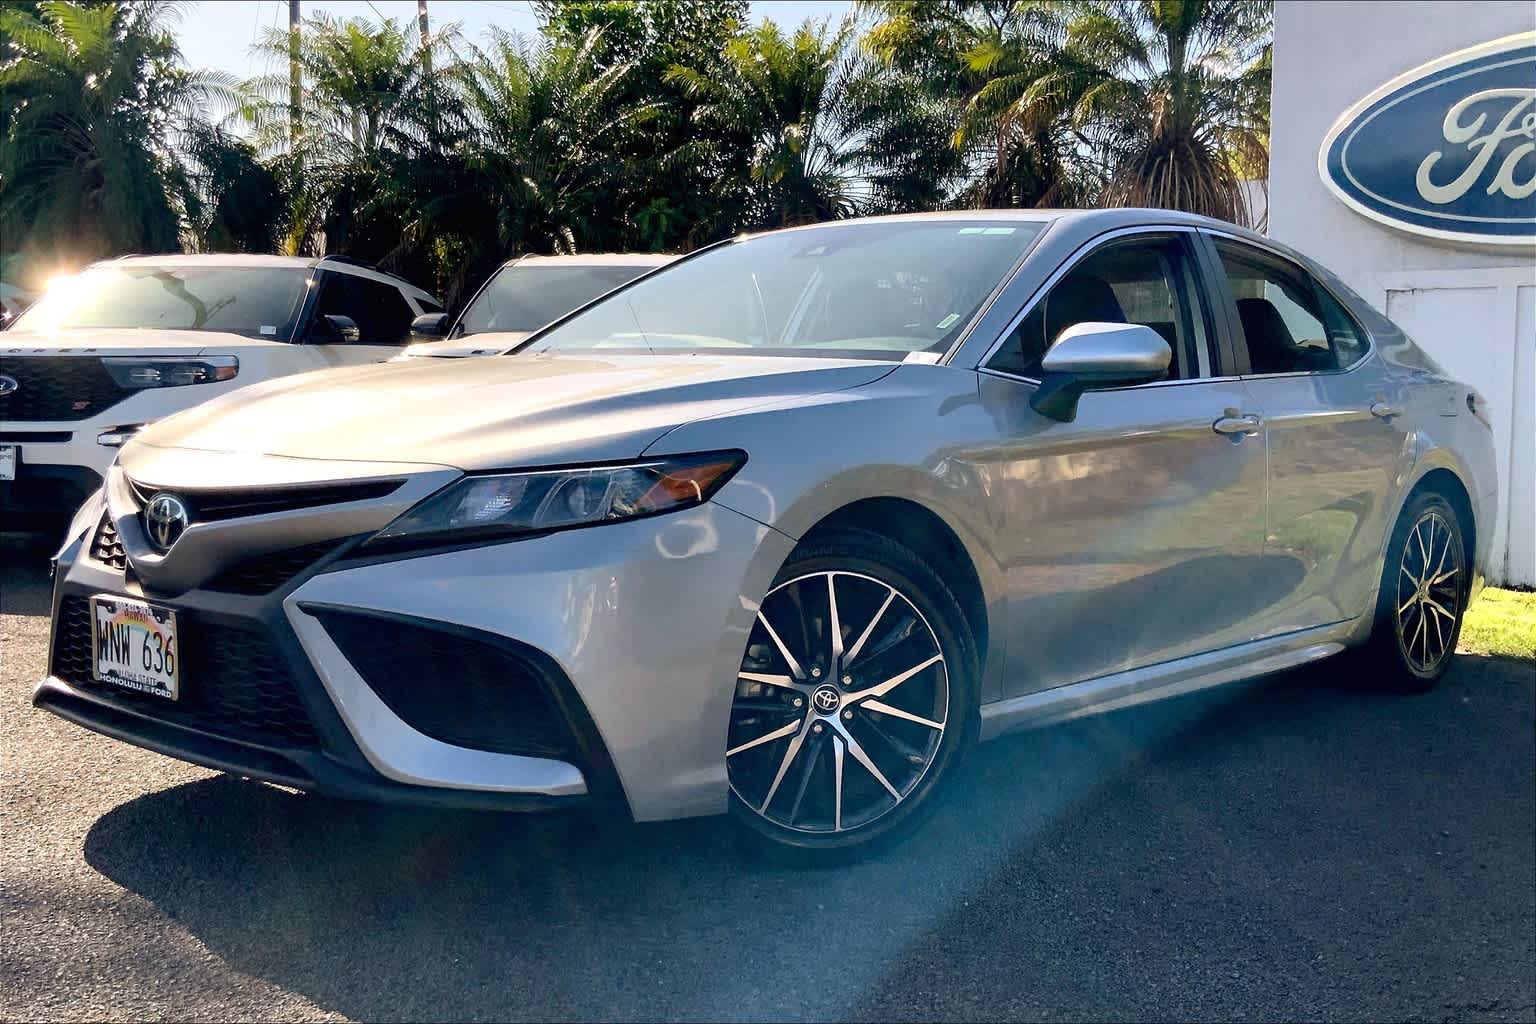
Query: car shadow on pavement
[
  {"x": 387, "y": 913},
  {"x": 25, "y": 587}
]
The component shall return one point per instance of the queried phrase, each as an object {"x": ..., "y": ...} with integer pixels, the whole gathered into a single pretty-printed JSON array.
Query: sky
[{"x": 219, "y": 33}]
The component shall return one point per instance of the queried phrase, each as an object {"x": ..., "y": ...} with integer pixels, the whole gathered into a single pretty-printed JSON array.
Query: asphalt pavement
[{"x": 1289, "y": 849}]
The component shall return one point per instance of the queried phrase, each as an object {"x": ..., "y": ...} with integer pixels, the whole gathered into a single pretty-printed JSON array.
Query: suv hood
[
  {"x": 130, "y": 341},
  {"x": 496, "y": 412}
]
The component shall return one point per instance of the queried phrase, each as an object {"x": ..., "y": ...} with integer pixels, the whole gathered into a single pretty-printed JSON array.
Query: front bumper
[{"x": 634, "y": 631}]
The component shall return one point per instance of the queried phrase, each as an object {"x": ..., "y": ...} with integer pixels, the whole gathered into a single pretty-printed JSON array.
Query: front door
[
  {"x": 1133, "y": 535},
  {"x": 382, "y": 315}
]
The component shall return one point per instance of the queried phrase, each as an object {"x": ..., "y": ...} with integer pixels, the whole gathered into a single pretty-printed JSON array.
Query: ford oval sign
[{"x": 1447, "y": 150}]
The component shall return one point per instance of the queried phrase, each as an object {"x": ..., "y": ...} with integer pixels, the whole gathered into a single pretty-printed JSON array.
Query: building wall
[{"x": 1469, "y": 306}]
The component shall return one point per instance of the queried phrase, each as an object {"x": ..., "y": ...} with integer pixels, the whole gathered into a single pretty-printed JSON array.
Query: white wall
[{"x": 1468, "y": 306}]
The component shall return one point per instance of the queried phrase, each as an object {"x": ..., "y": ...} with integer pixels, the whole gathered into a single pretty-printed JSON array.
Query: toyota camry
[{"x": 786, "y": 527}]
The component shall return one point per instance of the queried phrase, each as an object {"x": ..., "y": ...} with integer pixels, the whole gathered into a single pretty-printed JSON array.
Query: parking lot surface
[{"x": 1289, "y": 849}]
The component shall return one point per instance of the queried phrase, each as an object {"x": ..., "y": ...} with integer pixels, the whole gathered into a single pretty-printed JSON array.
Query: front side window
[
  {"x": 1288, "y": 323},
  {"x": 1133, "y": 282},
  {"x": 525, "y": 298},
  {"x": 259, "y": 302},
  {"x": 878, "y": 290},
  {"x": 382, "y": 315}
]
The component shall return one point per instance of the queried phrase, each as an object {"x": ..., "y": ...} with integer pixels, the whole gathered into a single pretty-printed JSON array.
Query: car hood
[
  {"x": 496, "y": 412},
  {"x": 471, "y": 345},
  {"x": 127, "y": 341}
]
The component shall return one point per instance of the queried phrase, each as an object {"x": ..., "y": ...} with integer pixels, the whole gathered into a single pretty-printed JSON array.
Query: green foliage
[{"x": 661, "y": 125}]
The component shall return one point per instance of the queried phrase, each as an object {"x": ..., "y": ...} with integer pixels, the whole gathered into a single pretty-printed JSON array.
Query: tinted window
[
  {"x": 382, "y": 314},
  {"x": 525, "y": 298},
  {"x": 1288, "y": 324},
  {"x": 879, "y": 289},
  {"x": 261, "y": 302},
  {"x": 1127, "y": 282}
]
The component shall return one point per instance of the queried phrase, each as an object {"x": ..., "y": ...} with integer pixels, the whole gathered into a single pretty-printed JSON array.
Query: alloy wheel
[
  {"x": 1428, "y": 593},
  {"x": 841, "y": 704}
]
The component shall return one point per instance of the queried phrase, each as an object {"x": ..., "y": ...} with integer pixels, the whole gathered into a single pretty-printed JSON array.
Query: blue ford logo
[
  {"x": 165, "y": 519},
  {"x": 1447, "y": 150}
]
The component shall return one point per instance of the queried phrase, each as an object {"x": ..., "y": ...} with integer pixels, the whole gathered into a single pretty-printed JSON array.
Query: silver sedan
[{"x": 788, "y": 526}]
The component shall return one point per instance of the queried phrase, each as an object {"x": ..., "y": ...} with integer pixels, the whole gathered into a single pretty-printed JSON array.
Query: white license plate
[
  {"x": 8, "y": 461},
  {"x": 135, "y": 646}
]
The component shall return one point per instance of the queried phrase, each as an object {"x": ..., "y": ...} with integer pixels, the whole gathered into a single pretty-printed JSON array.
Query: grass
[{"x": 1503, "y": 623}]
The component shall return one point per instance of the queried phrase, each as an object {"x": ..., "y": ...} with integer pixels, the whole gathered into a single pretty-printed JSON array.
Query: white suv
[{"x": 130, "y": 340}]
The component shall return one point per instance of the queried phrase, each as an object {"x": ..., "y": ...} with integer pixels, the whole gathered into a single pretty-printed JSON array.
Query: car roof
[
  {"x": 257, "y": 260},
  {"x": 1097, "y": 220},
  {"x": 598, "y": 259}
]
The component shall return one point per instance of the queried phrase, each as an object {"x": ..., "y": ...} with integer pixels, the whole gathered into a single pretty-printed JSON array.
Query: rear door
[
  {"x": 1134, "y": 534},
  {"x": 1335, "y": 441},
  {"x": 381, "y": 312}
]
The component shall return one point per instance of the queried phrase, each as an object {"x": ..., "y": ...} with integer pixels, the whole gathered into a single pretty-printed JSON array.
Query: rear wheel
[
  {"x": 1423, "y": 595},
  {"x": 855, "y": 698}
]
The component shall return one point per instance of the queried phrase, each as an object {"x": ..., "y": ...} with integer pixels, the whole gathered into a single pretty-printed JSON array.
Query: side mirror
[
  {"x": 429, "y": 326},
  {"x": 335, "y": 327},
  {"x": 1097, "y": 355}
]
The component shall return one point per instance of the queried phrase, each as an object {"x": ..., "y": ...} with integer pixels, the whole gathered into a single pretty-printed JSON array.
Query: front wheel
[
  {"x": 1423, "y": 594},
  {"x": 855, "y": 699}
]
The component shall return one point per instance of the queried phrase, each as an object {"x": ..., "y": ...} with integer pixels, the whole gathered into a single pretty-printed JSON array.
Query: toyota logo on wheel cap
[
  {"x": 165, "y": 519},
  {"x": 8, "y": 385},
  {"x": 826, "y": 699}
]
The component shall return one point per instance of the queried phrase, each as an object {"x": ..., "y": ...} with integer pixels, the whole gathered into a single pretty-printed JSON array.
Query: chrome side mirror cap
[{"x": 1096, "y": 355}]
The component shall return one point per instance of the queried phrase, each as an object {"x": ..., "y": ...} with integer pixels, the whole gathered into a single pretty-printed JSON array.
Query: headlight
[
  {"x": 170, "y": 371},
  {"x": 503, "y": 504}
]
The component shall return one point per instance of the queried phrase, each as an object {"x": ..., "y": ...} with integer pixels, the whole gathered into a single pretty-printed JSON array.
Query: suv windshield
[
  {"x": 875, "y": 290},
  {"x": 261, "y": 302},
  {"x": 525, "y": 298}
]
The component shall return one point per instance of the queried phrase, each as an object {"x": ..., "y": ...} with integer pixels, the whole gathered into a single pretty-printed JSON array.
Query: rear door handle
[
  {"x": 1236, "y": 426},
  {"x": 1385, "y": 410}
]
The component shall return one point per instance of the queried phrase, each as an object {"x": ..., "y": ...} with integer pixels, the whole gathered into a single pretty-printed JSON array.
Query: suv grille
[
  {"x": 58, "y": 388},
  {"x": 107, "y": 547},
  {"x": 233, "y": 683},
  {"x": 459, "y": 690}
]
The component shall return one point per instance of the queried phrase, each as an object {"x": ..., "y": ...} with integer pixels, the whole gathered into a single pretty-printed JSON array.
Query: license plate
[
  {"x": 135, "y": 646},
  {"x": 8, "y": 461}
]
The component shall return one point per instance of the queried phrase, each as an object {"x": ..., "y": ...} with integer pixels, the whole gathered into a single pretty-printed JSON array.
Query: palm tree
[
  {"x": 1167, "y": 99},
  {"x": 94, "y": 102},
  {"x": 370, "y": 112}
]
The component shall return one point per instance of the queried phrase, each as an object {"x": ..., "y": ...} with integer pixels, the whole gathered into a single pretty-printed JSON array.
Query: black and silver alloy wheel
[{"x": 1429, "y": 593}]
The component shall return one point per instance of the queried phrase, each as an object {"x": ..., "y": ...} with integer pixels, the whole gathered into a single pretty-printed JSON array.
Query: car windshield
[
  {"x": 260, "y": 302},
  {"x": 525, "y": 298},
  {"x": 873, "y": 290}
]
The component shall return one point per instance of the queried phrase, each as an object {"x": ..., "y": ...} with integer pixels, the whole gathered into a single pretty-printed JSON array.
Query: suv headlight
[
  {"x": 170, "y": 371},
  {"x": 538, "y": 501}
]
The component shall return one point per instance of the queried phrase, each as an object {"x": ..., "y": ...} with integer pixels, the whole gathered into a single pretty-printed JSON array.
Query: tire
[
  {"x": 804, "y": 733},
  {"x": 1413, "y": 638}
]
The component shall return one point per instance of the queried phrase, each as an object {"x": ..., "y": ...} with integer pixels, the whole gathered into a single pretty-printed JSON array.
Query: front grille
[
  {"x": 57, "y": 388},
  {"x": 233, "y": 683},
  {"x": 453, "y": 688},
  {"x": 229, "y": 503},
  {"x": 265, "y": 573},
  {"x": 107, "y": 547}
]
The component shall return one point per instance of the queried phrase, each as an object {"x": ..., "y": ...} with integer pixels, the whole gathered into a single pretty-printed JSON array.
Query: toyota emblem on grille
[
  {"x": 166, "y": 518},
  {"x": 8, "y": 385}
]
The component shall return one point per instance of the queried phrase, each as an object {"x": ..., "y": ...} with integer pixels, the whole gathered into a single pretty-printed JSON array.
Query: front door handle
[
  {"x": 1236, "y": 426},
  {"x": 1385, "y": 410}
]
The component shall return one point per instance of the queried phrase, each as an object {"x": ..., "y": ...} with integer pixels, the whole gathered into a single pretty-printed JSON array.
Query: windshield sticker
[
  {"x": 921, "y": 357},
  {"x": 947, "y": 321},
  {"x": 268, "y": 329},
  {"x": 998, "y": 231},
  {"x": 971, "y": 231}
]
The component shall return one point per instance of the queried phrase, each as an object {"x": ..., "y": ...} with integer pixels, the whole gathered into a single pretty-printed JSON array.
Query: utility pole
[{"x": 295, "y": 77}]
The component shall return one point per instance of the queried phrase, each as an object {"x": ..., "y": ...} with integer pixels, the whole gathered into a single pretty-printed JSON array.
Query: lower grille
[
  {"x": 453, "y": 688},
  {"x": 265, "y": 573},
  {"x": 233, "y": 682},
  {"x": 57, "y": 388},
  {"x": 107, "y": 548}
]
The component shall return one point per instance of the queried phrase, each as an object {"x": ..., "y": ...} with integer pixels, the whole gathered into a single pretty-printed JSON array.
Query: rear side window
[
  {"x": 1289, "y": 324},
  {"x": 383, "y": 316}
]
